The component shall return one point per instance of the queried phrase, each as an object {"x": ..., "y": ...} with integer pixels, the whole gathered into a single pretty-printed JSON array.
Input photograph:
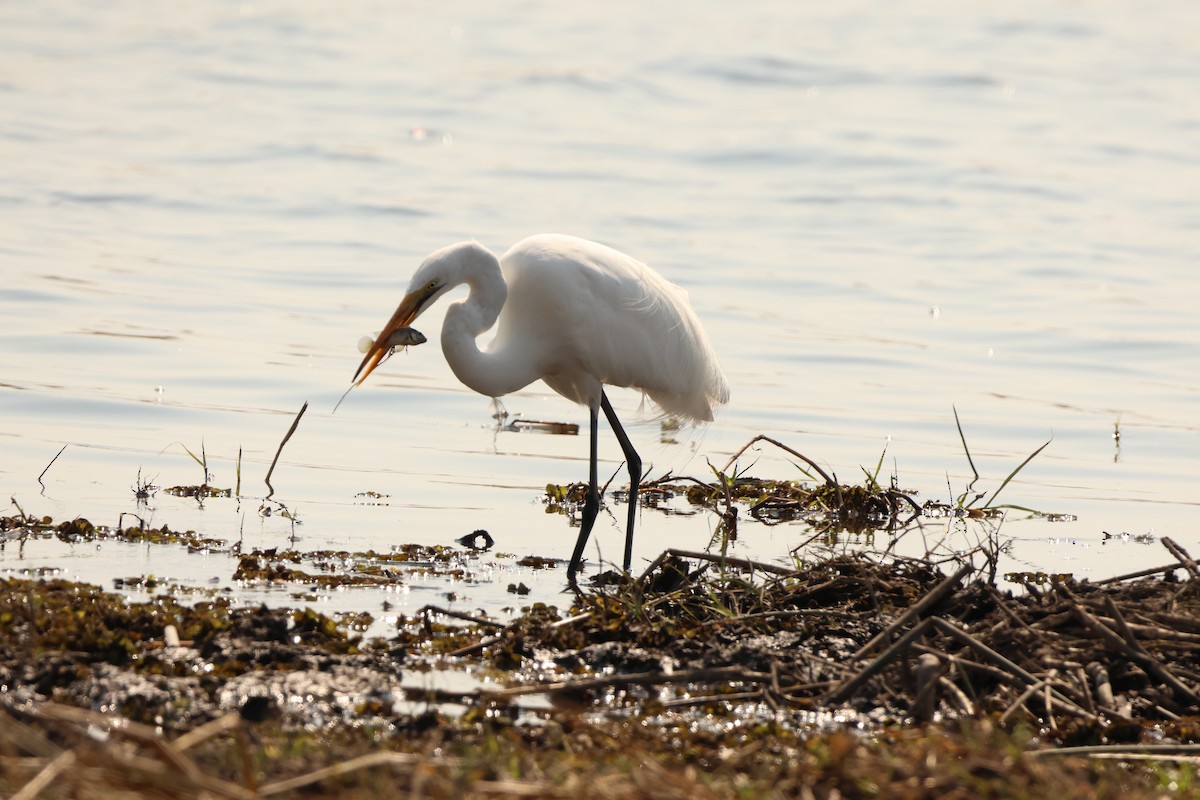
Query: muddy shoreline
[{"x": 732, "y": 668}]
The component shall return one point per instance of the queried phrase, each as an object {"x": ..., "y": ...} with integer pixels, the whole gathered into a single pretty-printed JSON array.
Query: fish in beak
[{"x": 396, "y": 333}]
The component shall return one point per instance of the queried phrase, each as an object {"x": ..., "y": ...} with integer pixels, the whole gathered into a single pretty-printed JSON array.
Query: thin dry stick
[
  {"x": 1046, "y": 693},
  {"x": 929, "y": 601},
  {"x": 48, "y": 466},
  {"x": 43, "y": 779},
  {"x": 786, "y": 614},
  {"x": 738, "y": 674},
  {"x": 640, "y": 583},
  {"x": 988, "y": 653},
  {"x": 1010, "y": 667},
  {"x": 847, "y": 687},
  {"x": 430, "y": 609},
  {"x": 708, "y": 699},
  {"x": 171, "y": 761},
  {"x": 1141, "y": 573},
  {"x": 1024, "y": 696},
  {"x": 760, "y": 438},
  {"x": 209, "y": 730},
  {"x": 1152, "y": 631},
  {"x": 286, "y": 436},
  {"x": 1133, "y": 648},
  {"x": 743, "y": 563},
  {"x": 1149, "y": 661},
  {"x": 1120, "y": 749},
  {"x": 1122, "y": 626},
  {"x": 1003, "y": 606},
  {"x": 1085, "y": 688},
  {"x": 997, "y": 674},
  {"x": 345, "y": 767},
  {"x": 959, "y": 696},
  {"x": 1182, "y": 555},
  {"x": 26, "y": 738},
  {"x": 513, "y": 788},
  {"x": 135, "y": 732},
  {"x": 1179, "y": 759}
]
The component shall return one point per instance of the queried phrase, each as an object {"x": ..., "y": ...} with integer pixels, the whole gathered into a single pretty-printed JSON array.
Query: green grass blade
[
  {"x": 193, "y": 455},
  {"x": 873, "y": 477},
  {"x": 963, "y": 437},
  {"x": 1013, "y": 474}
]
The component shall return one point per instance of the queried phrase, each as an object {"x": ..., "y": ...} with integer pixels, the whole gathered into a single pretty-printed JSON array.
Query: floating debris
[
  {"x": 521, "y": 425},
  {"x": 477, "y": 540},
  {"x": 200, "y": 492}
]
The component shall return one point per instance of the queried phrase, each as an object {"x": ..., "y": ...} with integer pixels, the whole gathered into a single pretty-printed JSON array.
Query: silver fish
[
  {"x": 405, "y": 337},
  {"x": 401, "y": 337}
]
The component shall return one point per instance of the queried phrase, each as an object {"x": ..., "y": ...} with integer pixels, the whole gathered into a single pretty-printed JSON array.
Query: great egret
[{"x": 578, "y": 315}]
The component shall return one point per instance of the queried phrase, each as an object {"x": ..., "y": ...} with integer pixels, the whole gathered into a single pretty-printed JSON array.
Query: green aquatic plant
[
  {"x": 203, "y": 490},
  {"x": 202, "y": 460},
  {"x": 962, "y": 504}
]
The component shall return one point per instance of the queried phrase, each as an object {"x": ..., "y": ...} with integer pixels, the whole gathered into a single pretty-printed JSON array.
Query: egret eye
[{"x": 364, "y": 344}]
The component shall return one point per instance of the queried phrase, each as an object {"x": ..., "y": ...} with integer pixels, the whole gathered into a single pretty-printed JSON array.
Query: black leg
[
  {"x": 634, "y": 462},
  {"x": 591, "y": 504}
]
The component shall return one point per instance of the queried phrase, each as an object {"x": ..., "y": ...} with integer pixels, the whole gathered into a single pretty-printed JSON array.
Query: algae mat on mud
[{"x": 699, "y": 678}]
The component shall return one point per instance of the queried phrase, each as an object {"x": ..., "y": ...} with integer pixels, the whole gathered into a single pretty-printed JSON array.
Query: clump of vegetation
[
  {"x": 704, "y": 676},
  {"x": 202, "y": 490},
  {"x": 829, "y": 506}
]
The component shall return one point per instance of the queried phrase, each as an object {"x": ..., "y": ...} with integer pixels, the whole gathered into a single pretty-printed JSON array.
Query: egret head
[{"x": 441, "y": 271}]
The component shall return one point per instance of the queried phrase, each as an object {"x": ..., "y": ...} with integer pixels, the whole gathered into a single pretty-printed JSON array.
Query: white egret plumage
[{"x": 578, "y": 315}]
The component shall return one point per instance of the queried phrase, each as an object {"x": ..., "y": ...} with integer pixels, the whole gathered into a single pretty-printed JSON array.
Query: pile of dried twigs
[
  {"x": 1094, "y": 666},
  {"x": 1089, "y": 661}
]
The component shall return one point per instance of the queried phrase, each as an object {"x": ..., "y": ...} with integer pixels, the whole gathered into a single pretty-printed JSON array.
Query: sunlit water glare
[{"x": 881, "y": 212}]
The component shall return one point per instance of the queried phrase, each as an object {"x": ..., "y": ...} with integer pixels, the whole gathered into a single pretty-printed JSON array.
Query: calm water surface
[{"x": 882, "y": 212}]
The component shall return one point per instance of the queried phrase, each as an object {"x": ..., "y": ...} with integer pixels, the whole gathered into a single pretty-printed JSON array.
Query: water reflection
[{"x": 203, "y": 211}]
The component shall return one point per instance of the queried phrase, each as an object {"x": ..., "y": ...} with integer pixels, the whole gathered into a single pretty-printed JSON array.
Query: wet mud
[{"x": 757, "y": 670}]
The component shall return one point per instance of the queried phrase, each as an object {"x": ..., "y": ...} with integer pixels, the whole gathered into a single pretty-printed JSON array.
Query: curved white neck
[{"x": 493, "y": 373}]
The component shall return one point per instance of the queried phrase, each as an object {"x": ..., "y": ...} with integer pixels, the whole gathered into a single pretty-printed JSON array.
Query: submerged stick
[
  {"x": 48, "y": 466},
  {"x": 286, "y": 436}
]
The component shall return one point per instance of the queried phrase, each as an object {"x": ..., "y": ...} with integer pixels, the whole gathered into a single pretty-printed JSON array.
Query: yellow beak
[{"x": 405, "y": 313}]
